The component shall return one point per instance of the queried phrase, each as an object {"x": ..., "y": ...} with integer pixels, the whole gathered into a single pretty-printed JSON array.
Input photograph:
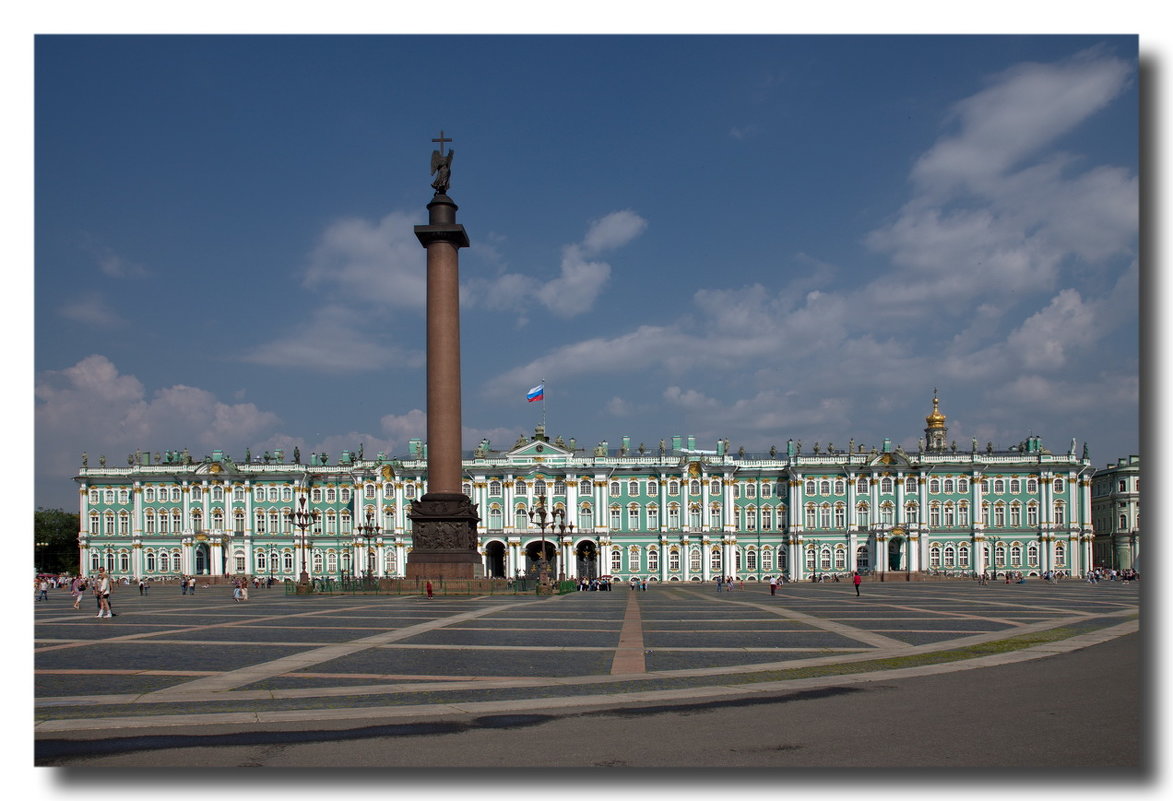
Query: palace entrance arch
[
  {"x": 586, "y": 554},
  {"x": 532, "y": 555},
  {"x": 495, "y": 559}
]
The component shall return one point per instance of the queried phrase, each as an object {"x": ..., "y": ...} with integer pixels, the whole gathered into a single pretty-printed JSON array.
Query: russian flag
[{"x": 536, "y": 394}]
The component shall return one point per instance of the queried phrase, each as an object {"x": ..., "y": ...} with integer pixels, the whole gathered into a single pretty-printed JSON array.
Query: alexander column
[{"x": 444, "y": 520}]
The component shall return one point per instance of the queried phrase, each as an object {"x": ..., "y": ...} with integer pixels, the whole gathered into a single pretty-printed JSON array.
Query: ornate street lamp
[
  {"x": 993, "y": 544},
  {"x": 369, "y": 531},
  {"x": 303, "y": 520},
  {"x": 540, "y": 516}
]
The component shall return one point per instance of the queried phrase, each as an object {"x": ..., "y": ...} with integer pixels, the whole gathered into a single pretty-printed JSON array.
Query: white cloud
[
  {"x": 612, "y": 231},
  {"x": 332, "y": 341},
  {"x": 374, "y": 264},
  {"x": 92, "y": 310},
  {"x": 91, "y": 406},
  {"x": 581, "y": 278}
]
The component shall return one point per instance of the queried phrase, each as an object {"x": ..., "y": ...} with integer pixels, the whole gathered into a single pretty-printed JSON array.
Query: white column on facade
[
  {"x": 663, "y": 482},
  {"x": 1047, "y": 551},
  {"x": 977, "y": 561},
  {"x": 572, "y": 501},
  {"x": 685, "y": 552}
]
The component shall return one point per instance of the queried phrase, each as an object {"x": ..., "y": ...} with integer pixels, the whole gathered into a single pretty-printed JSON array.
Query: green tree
[{"x": 56, "y": 540}]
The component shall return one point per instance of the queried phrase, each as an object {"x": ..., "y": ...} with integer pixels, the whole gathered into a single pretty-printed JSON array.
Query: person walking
[
  {"x": 429, "y": 589},
  {"x": 183, "y": 585},
  {"x": 76, "y": 588},
  {"x": 773, "y": 585},
  {"x": 104, "y": 587},
  {"x": 43, "y": 586},
  {"x": 857, "y": 579}
]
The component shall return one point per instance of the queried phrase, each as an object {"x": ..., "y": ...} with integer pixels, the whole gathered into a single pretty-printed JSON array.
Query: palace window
[
  {"x": 861, "y": 486},
  {"x": 985, "y": 514},
  {"x": 1060, "y": 513},
  {"x": 840, "y": 516},
  {"x": 694, "y": 560},
  {"x": 910, "y": 484},
  {"x": 495, "y": 488},
  {"x": 861, "y": 515},
  {"x": 948, "y": 486},
  {"x": 999, "y": 486},
  {"x": 262, "y": 561},
  {"x": 615, "y": 492},
  {"x": 633, "y": 488},
  {"x": 1060, "y": 485},
  {"x": 539, "y": 487},
  {"x": 767, "y": 559},
  {"x": 949, "y": 518},
  {"x": 715, "y": 560},
  {"x": 633, "y": 559},
  {"x": 1000, "y": 515},
  {"x": 94, "y": 497},
  {"x": 1032, "y": 553},
  {"x": 653, "y": 487},
  {"x": 963, "y": 554},
  {"x": 1015, "y": 514},
  {"x": 949, "y": 556},
  {"x": 152, "y": 564},
  {"x": 810, "y": 515},
  {"x": 409, "y": 490},
  {"x": 148, "y": 522},
  {"x": 1016, "y": 554},
  {"x": 586, "y": 517},
  {"x": 963, "y": 513},
  {"x": 673, "y": 487},
  {"x": 584, "y": 487},
  {"x": 694, "y": 516},
  {"x": 653, "y": 518},
  {"x": 935, "y": 556},
  {"x": 824, "y": 487},
  {"x": 935, "y": 486},
  {"x": 935, "y": 515},
  {"x": 840, "y": 557},
  {"x": 885, "y": 485},
  {"x": 633, "y": 518},
  {"x": 810, "y": 488},
  {"x": 963, "y": 485},
  {"x": 736, "y": 490},
  {"x": 1015, "y": 486},
  {"x": 810, "y": 558},
  {"x": 694, "y": 487},
  {"x": 368, "y": 492},
  {"x": 673, "y": 516},
  {"x": 715, "y": 487},
  {"x": 1032, "y": 486},
  {"x": 767, "y": 518},
  {"x": 165, "y": 562},
  {"x": 466, "y": 488},
  {"x": 751, "y": 559},
  {"x": 1032, "y": 514},
  {"x": 887, "y": 513},
  {"x": 751, "y": 490},
  {"x": 1060, "y": 555},
  {"x": 674, "y": 561},
  {"x": 767, "y": 490},
  {"x": 911, "y": 512},
  {"x": 560, "y": 488},
  {"x": 287, "y": 562},
  {"x": 616, "y": 560},
  {"x": 615, "y": 518}
]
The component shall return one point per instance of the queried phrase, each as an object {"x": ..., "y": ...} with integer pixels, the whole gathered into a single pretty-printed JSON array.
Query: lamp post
[
  {"x": 993, "y": 541},
  {"x": 540, "y": 516},
  {"x": 303, "y": 520},
  {"x": 369, "y": 531},
  {"x": 563, "y": 527}
]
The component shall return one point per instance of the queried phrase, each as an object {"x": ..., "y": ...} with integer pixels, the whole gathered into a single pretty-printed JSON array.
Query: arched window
[
  {"x": 887, "y": 513},
  {"x": 633, "y": 488},
  {"x": 539, "y": 487},
  {"x": 1032, "y": 514},
  {"x": 947, "y": 486},
  {"x": 963, "y": 485},
  {"x": 810, "y": 488},
  {"x": 584, "y": 487},
  {"x": 694, "y": 487},
  {"x": 633, "y": 559},
  {"x": 615, "y": 518},
  {"x": 767, "y": 558},
  {"x": 810, "y": 515},
  {"x": 862, "y": 515},
  {"x": 653, "y": 517},
  {"x": 165, "y": 562},
  {"x": 911, "y": 511},
  {"x": 1060, "y": 485},
  {"x": 391, "y": 566},
  {"x": 963, "y": 554},
  {"x": 633, "y": 517},
  {"x": 673, "y": 487},
  {"x": 616, "y": 560},
  {"x": 886, "y": 484},
  {"x": 287, "y": 562},
  {"x": 949, "y": 518},
  {"x": 767, "y": 518},
  {"x": 1060, "y": 555},
  {"x": 934, "y": 486},
  {"x": 751, "y": 559},
  {"x": 586, "y": 517},
  {"x": 949, "y": 557},
  {"x": 495, "y": 488},
  {"x": 825, "y": 516},
  {"x": 715, "y": 560},
  {"x": 935, "y": 556},
  {"x": 999, "y": 486},
  {"x": 1015, "y": 514},
  {"x": 861, "y": 486},
  {"x": 694, "y": 560},
  {"x": 1060, "y": 516},
  {"x": 1032, "y": 554},
  {"x": 810, "y": 558},
  {"x": 520, "y": 519},
  {"x": 674, "y": 516},
  {"x": 840, "y": 557},
  {"x": 262, "y": 560},
  {"x": 653, "y": 559},
  {"x": 615, "y": 489},
  {"x": 824, "y": 487}
]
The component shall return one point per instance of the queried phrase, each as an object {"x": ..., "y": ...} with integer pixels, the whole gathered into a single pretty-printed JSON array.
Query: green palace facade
[{"x": 667, "y": 513}]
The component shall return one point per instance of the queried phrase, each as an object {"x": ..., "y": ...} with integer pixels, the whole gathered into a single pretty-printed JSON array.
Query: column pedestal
[{"x": 443, "y": 535}]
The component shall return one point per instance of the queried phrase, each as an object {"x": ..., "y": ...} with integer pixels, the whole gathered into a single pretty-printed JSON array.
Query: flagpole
[{"x": 544, "y": 406}]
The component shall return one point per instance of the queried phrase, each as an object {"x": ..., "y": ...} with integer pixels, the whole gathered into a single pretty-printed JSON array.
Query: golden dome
[{"x": 936, "y": 419}]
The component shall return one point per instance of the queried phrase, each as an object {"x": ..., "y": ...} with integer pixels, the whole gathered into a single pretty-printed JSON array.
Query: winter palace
[{"x": 670, "y": 512}]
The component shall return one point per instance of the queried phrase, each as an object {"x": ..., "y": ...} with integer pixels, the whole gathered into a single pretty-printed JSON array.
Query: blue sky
[{"x": 748, "y": 237}]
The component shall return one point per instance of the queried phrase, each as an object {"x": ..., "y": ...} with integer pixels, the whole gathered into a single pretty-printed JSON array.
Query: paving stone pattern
[{"x": 166, "y": 654}]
